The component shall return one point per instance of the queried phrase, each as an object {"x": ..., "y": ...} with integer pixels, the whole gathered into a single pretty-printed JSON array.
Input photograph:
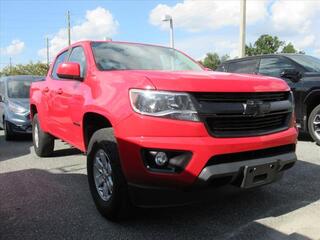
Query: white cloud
[
  {"x": 307, "y": 41},
  {"x": 99, "y": 24},
  {"x": 295, "y": 21},
  {"x": 294, "y": 16},
  {"x": 193, "y": 15},
  {"x": 198, "y": 46},
  {"x": 15, "y": 48}
]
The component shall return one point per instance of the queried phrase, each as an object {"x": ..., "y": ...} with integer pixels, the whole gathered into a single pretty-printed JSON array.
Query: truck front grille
[
  {"x": 241, "y": 97},
  {"x": 225, "y": 114}
]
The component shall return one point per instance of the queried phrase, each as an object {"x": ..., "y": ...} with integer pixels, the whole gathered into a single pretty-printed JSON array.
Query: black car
[
  {"x": 14, "y": 104},
  {"x": 301, "y": 72}
]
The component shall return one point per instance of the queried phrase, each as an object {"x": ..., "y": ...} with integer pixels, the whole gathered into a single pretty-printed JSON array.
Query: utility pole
[
  {"x": 47, "y": 42},
  {"x": 69, "y": 30},
  {"x": 10, "y": 65},
  {"x": 168, "y": 18},
  {"x": 171, "y": 33},
  {"x": 242, "y": 28}
]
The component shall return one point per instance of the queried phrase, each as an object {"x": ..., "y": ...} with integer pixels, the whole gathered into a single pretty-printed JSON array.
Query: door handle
[
  {"x": 45, "y": 90},
  {"x": 59, "y": 91}
]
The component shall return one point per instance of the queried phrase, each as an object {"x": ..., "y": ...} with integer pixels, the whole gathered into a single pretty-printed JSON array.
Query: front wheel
[
  {"x": 107, "y": 183},
  {"x": 314, "y": 124},
  {"x": 43, "y": 142}
]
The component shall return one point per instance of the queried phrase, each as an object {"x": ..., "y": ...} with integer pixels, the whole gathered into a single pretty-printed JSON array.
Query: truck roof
[{"x": 262, "y": 55}]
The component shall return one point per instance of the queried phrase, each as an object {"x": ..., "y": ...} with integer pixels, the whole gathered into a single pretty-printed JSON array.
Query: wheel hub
[
  {"x": 36, "y": 135},
  {"x": 316, "y": 125},
  {"x": 102, "y": 173}
]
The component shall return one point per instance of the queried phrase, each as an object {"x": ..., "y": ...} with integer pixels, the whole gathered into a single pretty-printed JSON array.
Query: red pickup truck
[{"x": 151, "y": 119}]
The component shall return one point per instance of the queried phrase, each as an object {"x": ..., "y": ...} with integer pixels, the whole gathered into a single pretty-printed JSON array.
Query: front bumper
[
  {"x": 21, "y": 128},
  {"x": 154, "y": 133},
  {"x": 18, "y": 123}
]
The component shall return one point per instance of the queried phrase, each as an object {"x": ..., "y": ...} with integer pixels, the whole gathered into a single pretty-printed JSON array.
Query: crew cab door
[
  {"x": 73, "y": 94},
  {"x": 67, "y": 99},
  {"x": 55, "y": 115},
  {"x": 274, "y": 66}
]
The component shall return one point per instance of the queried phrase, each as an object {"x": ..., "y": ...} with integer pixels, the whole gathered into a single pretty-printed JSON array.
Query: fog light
[
  {"x": 169, "y": 161},
  {"x": 161, "y": 159}
]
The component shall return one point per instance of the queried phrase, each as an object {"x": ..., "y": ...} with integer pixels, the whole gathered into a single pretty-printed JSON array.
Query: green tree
[
  {"x": 212, "y": 60},
  {"x": 265, "y": 44},
  {"x": 26, "y": 69},
  {"x": 289, "y": 48}
]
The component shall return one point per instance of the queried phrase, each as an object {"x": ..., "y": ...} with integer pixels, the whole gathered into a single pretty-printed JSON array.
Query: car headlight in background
[
  {"x": 172, "y": 105},
  {"x": 17, "y": 108}
]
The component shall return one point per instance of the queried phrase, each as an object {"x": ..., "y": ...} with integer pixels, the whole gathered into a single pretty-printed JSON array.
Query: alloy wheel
[
  {"x": 316, "y": 125},
  {"x": 102, "y": 173}
]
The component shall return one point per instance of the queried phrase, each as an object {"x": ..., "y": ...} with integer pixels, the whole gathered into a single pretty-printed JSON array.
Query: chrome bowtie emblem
[{"x": 256, "y": 108}]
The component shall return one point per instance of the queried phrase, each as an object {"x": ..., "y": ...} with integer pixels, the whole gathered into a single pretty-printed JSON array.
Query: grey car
[{"x": 14, "y": 104}]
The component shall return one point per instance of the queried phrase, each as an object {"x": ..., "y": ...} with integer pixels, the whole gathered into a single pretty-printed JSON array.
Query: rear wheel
[
  {"x": 8, "y": 134},
  {"x": 43, "y": 142},
  {"x": 106, "y": 181},
  {"x": 314, "y": 124}
]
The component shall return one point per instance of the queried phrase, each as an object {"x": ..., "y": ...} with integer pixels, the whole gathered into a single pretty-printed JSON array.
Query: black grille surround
[{"x": 244, "y": 114}]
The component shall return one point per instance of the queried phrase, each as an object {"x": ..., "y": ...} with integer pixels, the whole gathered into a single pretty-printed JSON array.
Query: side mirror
[
  {"x": 291, "y": 74},
  {"x": 69, "y": 70}
]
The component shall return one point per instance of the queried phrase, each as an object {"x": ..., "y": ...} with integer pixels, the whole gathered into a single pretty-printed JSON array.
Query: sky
[{"x": 201, "y": 26}]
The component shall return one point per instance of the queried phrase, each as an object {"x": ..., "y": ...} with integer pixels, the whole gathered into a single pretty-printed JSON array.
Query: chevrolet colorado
[{"x": 151, "y": 119}]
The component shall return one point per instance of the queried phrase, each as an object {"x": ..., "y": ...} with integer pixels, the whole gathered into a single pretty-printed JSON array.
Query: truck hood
[
  {"x": 23, "y": 102},
  {"x": 209, "y": 81}
]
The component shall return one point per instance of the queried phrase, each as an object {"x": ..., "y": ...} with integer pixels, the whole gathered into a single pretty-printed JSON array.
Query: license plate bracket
[{"x": 257, "y": 175}]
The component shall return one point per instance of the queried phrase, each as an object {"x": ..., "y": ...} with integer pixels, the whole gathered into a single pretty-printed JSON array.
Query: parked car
[
  {"x": 153, "y": 123},
  {"x": 14, "y": 105},
  {"x": 301, "y": 72}
]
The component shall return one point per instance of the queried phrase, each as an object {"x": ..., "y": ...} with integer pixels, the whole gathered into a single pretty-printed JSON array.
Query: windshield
[
  {"x": 19, "y": 88},
  {"x": 121, "y": 56},
  {"x": 312, "y": 64}
]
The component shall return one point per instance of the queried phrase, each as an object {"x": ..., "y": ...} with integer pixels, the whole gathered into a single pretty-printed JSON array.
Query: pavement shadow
[
  {"x": 66, "y": 152},
  {"x": 37, "y": 204},
  {"x": 21, "y": 146},
  {"x": 12, "y": 149}
]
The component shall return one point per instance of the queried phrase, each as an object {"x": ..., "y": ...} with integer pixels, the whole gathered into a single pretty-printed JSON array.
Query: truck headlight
[
  {"x": 172, "y": 105},
  {"x": 17, "y": 108}
]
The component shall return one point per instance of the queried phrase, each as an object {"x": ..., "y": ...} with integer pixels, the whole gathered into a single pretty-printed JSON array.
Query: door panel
[{"x": 274, "y": 66}]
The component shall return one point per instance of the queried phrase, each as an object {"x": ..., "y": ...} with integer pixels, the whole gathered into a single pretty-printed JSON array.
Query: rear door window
[
  {"x": 274, "y": 66},
  {"x": 245, "y": 66}
]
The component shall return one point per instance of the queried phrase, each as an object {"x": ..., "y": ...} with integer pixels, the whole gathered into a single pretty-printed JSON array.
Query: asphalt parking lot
[{"x": 49, "y": 199}]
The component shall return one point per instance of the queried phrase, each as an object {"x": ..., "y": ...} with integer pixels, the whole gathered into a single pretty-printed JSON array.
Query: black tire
[
  {"x": 314, "y": 116},
  {"x": 118, "y": 206},
  {"x": 8, "y": 134},
  {"x": 45, "y": 145}
]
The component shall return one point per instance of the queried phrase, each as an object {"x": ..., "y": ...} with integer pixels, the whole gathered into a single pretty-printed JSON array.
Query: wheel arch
[
  {"x": 33, "y": 110},
  {"x": 92, "y": 122},
  {"x": 312, "y": 100}
]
